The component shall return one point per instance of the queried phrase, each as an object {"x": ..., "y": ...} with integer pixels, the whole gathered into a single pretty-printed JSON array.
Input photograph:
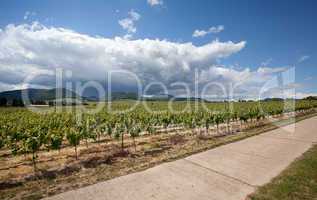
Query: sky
[{"x": 252, "y": 45}]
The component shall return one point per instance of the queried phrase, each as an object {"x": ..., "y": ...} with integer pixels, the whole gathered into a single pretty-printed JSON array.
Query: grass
[{"x": 297, "y": 182}]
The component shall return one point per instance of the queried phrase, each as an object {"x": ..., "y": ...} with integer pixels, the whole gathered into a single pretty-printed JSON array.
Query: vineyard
[{"x": 34, "y": 146}]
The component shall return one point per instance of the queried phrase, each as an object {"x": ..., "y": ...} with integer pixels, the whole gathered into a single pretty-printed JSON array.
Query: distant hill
[
  {"x": 134, "y": 96},
  {"x": 311, "y": 98},
  {"x": 273, "y": 99},
  {"x": 166, "y": 97},
  {"x": 124, "y": 95},
  {"x": 114, "y": 96},
  {"x": 190, "y": 99},
  {"x": 38, "y": 94}
]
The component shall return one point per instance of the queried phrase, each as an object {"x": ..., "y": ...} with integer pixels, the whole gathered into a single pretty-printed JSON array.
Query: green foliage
[
  {"x": 56, "y": 140},
  {"x": 73, "y": 136},
  {"x": 23, "y": 131}
]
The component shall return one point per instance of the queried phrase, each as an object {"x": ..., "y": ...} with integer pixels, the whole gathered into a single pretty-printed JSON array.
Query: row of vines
[{"x": 26, "y": 132}]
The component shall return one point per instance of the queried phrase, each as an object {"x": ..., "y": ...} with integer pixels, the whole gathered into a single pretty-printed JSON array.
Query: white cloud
[
  {"x": 199, "y": 33},
  {"x": 128, "y": 23},
  {"x": 128, "y": 36},
  {"x": 33, "y": 47},
  {"x": 134, "y": 15},
  {"x": 28, "y": 14},
  {"x": 216, "y": 29},
  {"x": 268, "y": 70},
  {"x": 303, "y": 58},
  {"x": 155, "y": 2},
  {"x": 202, "y": 33}
]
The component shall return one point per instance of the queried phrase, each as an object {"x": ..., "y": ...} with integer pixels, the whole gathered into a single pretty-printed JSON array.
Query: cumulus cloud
[
  {"x": 202, "y": 33},
  {"x": 28, "y": 49},
  {"x": 128, "y": 23},
  {"x": 155, "y": 2},
  {"x": 34, "y": 47},
  {"x": 303, "y": 58}
]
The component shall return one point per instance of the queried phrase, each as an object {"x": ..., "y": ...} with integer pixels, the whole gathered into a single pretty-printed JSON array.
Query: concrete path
[{"x": 229, "y": 172}]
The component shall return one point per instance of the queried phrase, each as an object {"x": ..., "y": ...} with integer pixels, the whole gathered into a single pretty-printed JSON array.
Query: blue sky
[{"x": 277, "y": 33}]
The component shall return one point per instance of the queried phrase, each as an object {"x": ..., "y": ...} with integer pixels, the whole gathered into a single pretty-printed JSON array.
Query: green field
[
  {"x": 55, "y": 149},
  {"x": 24, "y": 131},
  {"x": 297, "y": 182}
]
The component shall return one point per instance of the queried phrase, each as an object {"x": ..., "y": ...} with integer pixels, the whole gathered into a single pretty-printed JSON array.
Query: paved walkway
[{"x": 229, "y": 172}]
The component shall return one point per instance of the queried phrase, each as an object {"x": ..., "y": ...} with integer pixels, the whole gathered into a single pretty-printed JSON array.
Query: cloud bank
[{"x": 34, "y": 48}]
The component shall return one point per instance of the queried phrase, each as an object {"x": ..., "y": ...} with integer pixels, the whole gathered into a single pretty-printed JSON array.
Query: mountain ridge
[{"x": 38, "y": 94}]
